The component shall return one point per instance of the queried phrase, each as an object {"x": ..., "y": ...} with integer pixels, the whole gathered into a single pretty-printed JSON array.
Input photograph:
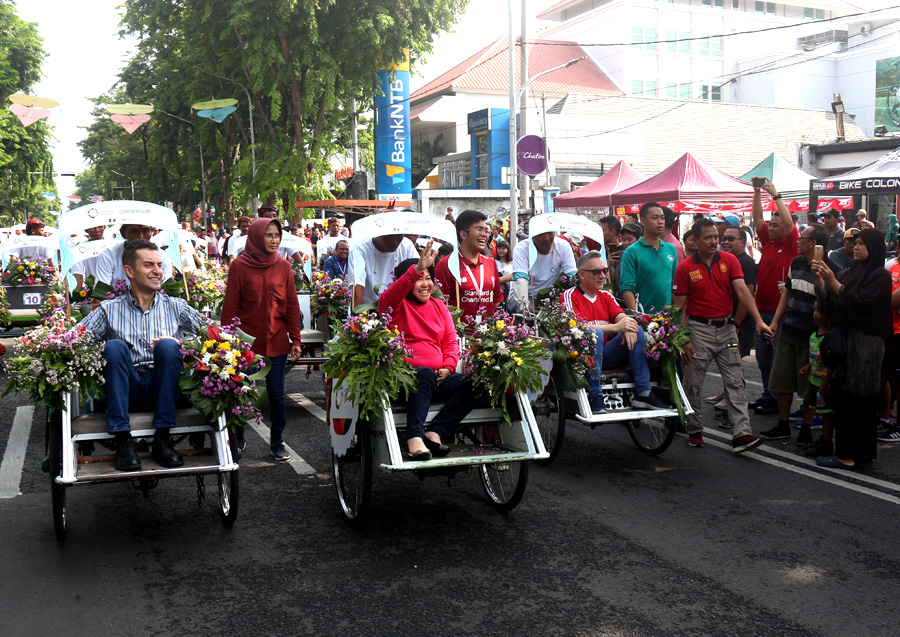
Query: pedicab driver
[
  {"x": 703, "y": 284},
  {"x": 625, "y": 337},
  {"x": 141, "y": 331},
  {"x": 554, "y": 256}
]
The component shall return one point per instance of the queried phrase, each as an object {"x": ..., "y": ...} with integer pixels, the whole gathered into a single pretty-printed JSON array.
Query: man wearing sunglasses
[{"x": 625, "y": 337}]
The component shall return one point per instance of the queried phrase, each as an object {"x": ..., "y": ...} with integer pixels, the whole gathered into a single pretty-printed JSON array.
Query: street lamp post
[{"x": 126, "y": 177}]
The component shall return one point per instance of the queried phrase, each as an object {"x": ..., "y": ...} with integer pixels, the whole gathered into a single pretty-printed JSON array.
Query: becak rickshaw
[
  {"x": 565, "y": 395},
  {"x": 368, "y": 426},
  {"x": 77, "y": 432}
]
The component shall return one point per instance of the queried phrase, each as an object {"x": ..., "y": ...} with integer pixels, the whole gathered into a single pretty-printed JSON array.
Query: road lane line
[
  {"x": 14, "y": 457},
  {"x": 749, "y": 382},
  {"x": 810, "y": 474},
  {"x": 299, "y": 464},
  {"x": 309, "y": 406}
]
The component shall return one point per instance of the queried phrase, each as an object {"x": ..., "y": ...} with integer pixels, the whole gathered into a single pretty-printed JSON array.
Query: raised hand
[{"x": 427, "y": 259}]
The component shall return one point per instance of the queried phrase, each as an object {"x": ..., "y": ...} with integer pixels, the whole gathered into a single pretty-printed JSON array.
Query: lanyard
[
  {"x": 480, "y": 284},
  {"x": 342, "y": 267}
]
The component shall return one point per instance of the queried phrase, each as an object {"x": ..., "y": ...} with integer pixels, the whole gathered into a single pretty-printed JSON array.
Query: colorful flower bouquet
[
  {"x": 329, "y": 297},
  {"x": 222, "y": 373},
  {"x": 501, "y": 356},
  {"x": 368, "y": 358},
  {"x": 572, "y": 341},
  {"x": 5, "y": 316},
  {"x": 666, "y": 335},
  {"x": 56, "y": 357},
  {"x": 300, "y": 280},
  {"x": 206, "y": 287},
  {"x": 54, "y": 301},
  {"x": 27, "y": 271}
]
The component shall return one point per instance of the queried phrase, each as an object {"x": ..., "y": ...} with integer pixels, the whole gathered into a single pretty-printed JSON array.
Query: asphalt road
[{"x": 607, "y": 541}]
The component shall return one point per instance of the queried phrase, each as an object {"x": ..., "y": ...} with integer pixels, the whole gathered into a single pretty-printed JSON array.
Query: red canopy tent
[
  {"x": 597, "y": 193},
  {"x": 688, "y": 179}
]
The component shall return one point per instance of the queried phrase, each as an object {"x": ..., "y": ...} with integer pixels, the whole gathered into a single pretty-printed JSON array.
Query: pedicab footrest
[
  {"x": 189, "y": 420},
  {"x": 621, "y": 415},
  {"x": 463, "y": 456},
  {"x": 618, "y": 375},
  {"x": 482, "y": 414},
  {"x": 100, "y": 471}
]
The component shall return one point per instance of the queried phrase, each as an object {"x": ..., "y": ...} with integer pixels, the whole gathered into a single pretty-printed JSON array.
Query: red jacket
[
  {"x": 428, "y": 327},
  {"x": 266, "y": 302}
]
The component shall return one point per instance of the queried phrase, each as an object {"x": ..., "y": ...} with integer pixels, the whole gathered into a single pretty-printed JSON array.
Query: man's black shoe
[
  {"x": 164, "y": 453},
  {"x": 127, "y": 458},
  {"x": 768, "y": 408}
]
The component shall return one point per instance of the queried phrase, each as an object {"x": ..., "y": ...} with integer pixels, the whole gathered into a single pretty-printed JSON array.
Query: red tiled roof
[
  {"x": 840, "y": 6},
  {"x": 488, "y": 70}
]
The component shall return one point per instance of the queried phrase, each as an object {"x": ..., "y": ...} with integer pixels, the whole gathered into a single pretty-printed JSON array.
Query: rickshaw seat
[
  {"x": 622, "y": 374},
  {"x": 96, "y": 423},
  {"x": 312, "y": 336}
]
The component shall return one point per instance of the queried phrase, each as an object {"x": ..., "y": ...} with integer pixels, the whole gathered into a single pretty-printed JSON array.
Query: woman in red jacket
[
  {"x": 261, "y": 293},
  {"x": 431, "y": 335}
]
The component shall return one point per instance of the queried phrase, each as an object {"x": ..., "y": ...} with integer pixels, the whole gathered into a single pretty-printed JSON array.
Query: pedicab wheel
[
  {"x": 550, "y": 416},
  {"x": 653, "y": 435},
  {"x": 229, "y": 487},
  {"x": 353, "y": 476},
  {"x": 504, "y": 483},
  {"x": 57, "y": 490}
]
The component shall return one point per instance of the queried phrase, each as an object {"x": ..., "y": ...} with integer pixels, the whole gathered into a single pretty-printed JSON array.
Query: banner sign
[
  {"x": 393, "y": 152},
  {"x": 743, "y": 208},
  {"x": 558, "y": 222},
  {"x": 17, "y": 241},
  {"x": 531, "y": 156}
]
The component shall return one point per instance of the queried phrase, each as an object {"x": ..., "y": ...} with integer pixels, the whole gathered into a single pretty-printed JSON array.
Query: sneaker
[
  {"x": 891, "y": 435},
  {"x": 280, "y": 453},
  {"x": 712, "y": 400},
  {"x": 796, "y": 415},
  {"x": 597, "y": 404},
  {"x": 650, "y": 401},
  {"x": 724, "y": 423},
  {"x": 721, "y": 404},
  {"x": 695, "y": 440},
  {"x": 745, "y": 443},
  {"x": 766, "y": 408},
  {"x": 883, "y": 427},
  {"x": 804, "y": 437},
  {"x": 815, "y": 423},
  {"x": 780, "y": 431},
  {"x": 819, "y": 448}
]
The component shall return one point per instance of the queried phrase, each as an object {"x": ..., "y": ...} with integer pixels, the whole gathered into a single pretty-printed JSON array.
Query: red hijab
[{"x": 255, "y": 254}]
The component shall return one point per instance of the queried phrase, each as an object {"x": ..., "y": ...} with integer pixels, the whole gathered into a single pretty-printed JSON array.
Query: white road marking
[
  {"x": 755, "y": 455},
  {"x": 14, "y": 457},
  {"x": 749, "y": 382},
  {"x": 309, "y": 406},
  {"x": 299, "y": 464}
]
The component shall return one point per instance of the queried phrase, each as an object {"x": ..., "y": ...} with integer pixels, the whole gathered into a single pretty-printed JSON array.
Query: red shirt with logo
[
  {"x": 708, "y": 288},
  {"x": 895, "y": 284},
  {"x": 479, "y": 284},
  {"x": 774, "y": 267},
  {"x": 601, "y": 309}
]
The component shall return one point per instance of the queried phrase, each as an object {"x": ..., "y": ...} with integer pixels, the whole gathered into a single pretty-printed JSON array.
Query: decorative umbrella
[
  {"x": 216, "y": 110},
  {"x": 30, "y": 108},
  {"x": 130, "y": 116}
]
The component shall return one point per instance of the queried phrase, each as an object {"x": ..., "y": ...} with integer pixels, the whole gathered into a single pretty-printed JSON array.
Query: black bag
[{"x": 833, "y": 348}]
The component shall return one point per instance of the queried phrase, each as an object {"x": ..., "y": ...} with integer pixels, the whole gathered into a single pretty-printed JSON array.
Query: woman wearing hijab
[
  {"x": 893, "y": 234},
  {"x": 862, "y": 297},
  {"x": 261, "y": 293}
]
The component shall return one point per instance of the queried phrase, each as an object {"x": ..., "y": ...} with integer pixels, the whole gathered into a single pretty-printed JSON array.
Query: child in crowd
[{"x": 819, "y": 381}]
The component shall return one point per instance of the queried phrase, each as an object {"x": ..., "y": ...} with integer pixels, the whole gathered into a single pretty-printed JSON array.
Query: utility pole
[
  {"x": 523, "y": 108},
  {"x": 354, "y": 141}
]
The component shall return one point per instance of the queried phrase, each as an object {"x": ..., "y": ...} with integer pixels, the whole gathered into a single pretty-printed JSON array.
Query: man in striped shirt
[{"x": 142, "y": 332}]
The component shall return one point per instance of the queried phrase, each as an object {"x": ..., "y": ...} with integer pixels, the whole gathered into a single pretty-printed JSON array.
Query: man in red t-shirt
[
  {"x": 778, "y": 238},
  {"x": 704, "y": 283},
  {"x": 890, "y": 363},
  {"x": 479, "y": 282},
  {"x": 626, "y": 338}
]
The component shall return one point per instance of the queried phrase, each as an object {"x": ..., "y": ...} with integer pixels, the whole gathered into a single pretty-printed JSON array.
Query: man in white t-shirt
[
  {"x": 554, "y": 256},
  {"x": 109, "y": 263},
  {"x": 239, "y": 237},
  {"x": 88, "y": 267},
  {"x": 379, "y": 257},
  {"x": 35, "y": 228},
  {"x": 326, "y": 245}
]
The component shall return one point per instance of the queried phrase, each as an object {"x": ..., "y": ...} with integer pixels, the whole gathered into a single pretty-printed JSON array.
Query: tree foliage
[{"x": 300, "y": 63}]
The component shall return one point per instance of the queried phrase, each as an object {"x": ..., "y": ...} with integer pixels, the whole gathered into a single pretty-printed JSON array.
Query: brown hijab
[{"x": 255, "y": 254}]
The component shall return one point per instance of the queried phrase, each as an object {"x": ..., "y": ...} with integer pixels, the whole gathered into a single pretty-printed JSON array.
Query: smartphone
[
  {"x": 758, "y": 182},
  {"x": 819, "y": 253}
]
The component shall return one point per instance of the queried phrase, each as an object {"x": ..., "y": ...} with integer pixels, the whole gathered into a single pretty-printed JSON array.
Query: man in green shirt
[{"x": 648, "y": 264}]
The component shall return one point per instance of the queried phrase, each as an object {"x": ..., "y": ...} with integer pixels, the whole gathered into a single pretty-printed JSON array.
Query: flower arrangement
[
  {"x": 102, "y": 291},
  {"x": 222, "y": 373},
  {"x": 572, "y": 341},
  {"x": 206, "y": 287},
  {"x": 368, "y": 357},
  {"x": 503, "y": 355},
  {"x": 56, "y": 357},
  {"x": 54, "y": 301},
  {"x": 665, "y": 333},
  {"x": 5, "y": 316},
  {"x": 329, "y": 297},
  {"x": 300, "y": 280},
  {"x": 26, "y": 271}
]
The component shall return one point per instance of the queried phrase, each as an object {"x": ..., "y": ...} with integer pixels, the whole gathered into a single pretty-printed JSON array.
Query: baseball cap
[
  {"x": 852, "y": 232},
  {"x": 34, "y": 223},
  {"x": 833, "y": 212},
  {"x": 633, "y": 228},
  {"x": 726, "y": 217}
]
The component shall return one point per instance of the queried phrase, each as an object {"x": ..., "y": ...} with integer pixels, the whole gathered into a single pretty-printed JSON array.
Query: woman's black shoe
[
  {"x": 437, "y": 449},
  {"x": 419, "y": 455}
]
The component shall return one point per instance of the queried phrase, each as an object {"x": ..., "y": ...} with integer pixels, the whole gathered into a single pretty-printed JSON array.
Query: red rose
[
  {"x": 238, "y": 378},
  {"x": 202, "y": 367},
  {"x": 31, "y": 279},
  {"x": 213, "y": 333},
  {"x": 248, "y": 356}
]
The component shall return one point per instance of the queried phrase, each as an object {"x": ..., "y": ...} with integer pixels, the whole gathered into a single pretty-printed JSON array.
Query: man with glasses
[
  {"x": 479, "y": 281},
  {"x": 626, "y": 338},
  {"x": 554, "y": 257},
  {"x": 335, "y": 266},
  {"x": 109, "y": 262},
  {"x": 704, "y": 284}
]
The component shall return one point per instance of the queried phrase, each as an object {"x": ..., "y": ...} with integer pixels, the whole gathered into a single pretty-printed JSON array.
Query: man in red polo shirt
[
  {"x": 703, "y": 289},
  {"x": 778, "y": 238},
  {"x": 479, "y": 282}
]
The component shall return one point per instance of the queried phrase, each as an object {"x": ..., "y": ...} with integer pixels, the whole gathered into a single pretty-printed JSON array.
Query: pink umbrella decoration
[
  {"x": 28, "y": 115},
  {"x": 130, "y": 122}
]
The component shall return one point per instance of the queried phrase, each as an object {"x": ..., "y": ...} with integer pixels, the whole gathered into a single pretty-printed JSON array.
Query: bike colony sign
[{"x": 531, "y": 155}]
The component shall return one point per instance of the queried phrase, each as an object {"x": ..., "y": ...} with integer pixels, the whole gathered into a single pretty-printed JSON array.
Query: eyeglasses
[
  {"x": 479, "y": 230},
  {"x": 728, "y": 239},
  {"x": 806, "y": 238},
  {"x": 272, "y": 237},
  {"x": 597, "y": 271}
]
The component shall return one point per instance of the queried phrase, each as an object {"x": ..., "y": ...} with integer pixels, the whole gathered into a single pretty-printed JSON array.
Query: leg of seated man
[
  {"x": 595, "y": 392},
  {"x": 123, "y": 388},
  {"x": 615, "y": 353},
  {"x": 458, "y": 395},
  {"x": 168, "y": 365}
]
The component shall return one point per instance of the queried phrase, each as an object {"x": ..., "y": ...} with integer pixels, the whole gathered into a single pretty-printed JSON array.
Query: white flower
[
  {"x": 206, "y": 358},
  {"x": 483, "y": 328},
  {"x": 502, "y": 348},
  {"x": 577, "y": 333}
]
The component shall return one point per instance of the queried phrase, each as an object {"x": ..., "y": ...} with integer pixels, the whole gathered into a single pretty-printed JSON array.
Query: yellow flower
[
  {"x": 572, "y": 323},
  {"x": 499, "y": 325},
  {"x": 231, "y": 371},
  {"x": 20, "y": 268},
  {"x": 209, "y": 343},
  {"x": 30, "y": 264},
  {"x": 573, "y": 354},
  {"x": 225, "y": 346},
  {"x": 517, "y": 360},
  {"x": 83, "y": 294}
]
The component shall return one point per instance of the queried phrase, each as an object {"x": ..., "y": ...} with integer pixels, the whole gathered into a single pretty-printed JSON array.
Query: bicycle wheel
[
  {"x": 550, "y": 416},
  {"x": 653, "y": 435},
  {"x": 230, "y": 487},
  {"x": 504, "y": 483},
  {"x": 57, "y": 490},
  {"x": 353, "y": 476},
  {"x": 893, "y": 105}
]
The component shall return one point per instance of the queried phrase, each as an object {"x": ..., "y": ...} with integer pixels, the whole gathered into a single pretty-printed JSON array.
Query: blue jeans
[
  {"x": 765, "y": 354},
  {"x": 275, "y": 387},
  {"x": 457, "y": 393},
  {"x": 152, "y": 390},
  {"x": 613, "y": 353}
]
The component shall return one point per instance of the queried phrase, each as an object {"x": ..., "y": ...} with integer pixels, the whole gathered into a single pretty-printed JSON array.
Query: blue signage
[
  {"x": 480, "y": 121},
  {"x": 393, "y": 153}
]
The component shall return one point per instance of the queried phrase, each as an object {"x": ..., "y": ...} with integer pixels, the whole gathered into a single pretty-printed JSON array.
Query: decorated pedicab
[
  {"x": 564, "y": 395},
  {"x": 366, "y": 374},
  {"x": 26, "y": 280},
  {"x": 58, "y": 363}
]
